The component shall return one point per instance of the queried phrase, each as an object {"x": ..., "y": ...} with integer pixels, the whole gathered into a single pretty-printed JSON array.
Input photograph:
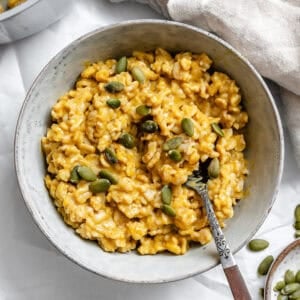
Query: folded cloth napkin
[{"x": 267, "y": 32}]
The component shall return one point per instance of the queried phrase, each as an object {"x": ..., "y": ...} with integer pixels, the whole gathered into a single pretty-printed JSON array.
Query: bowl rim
[
  {"x": 137, "y": 22},
  {"x": 279, "y": 259},
  {"x": 7, "y": 14}
]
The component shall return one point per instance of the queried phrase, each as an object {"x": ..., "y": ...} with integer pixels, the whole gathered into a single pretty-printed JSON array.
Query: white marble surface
[{"x": 30, "y": 267}]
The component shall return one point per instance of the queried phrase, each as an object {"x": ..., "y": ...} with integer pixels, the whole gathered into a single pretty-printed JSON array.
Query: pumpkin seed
[
  {"x": 279, "y": 286},
  {"x": 214, "y": 168},
  {"x": 265, "y": 265},
  {"x": 172, "y": 143},
  {"x": 297, "y": 213},
  {"x": 86, "y": 173},
  {"x": 295, "y": 295},
  {"x": 168, "y": 210},
  {"x": 289, "y": 277},
  {"x": 166, "y": 195},
  {"x": 175, "y": 155},
  {"x": 143, "y": 110},
  {"x": 187, "y": 126},
  {"x": 297, "y": 225},
  {"x": 113, "y": 103},
  {"x": 74, "y": 177},
  {"x": 110, "y": 155},
  {"x": 282, "y": 297},
  {"x": 121, "y": 65},
  {"x": 149, "y": 126},
  {"x": 114, "y": 87},
  {"x": 258, "y": 245},
  {"x": 107, "y": 175},
  {"x": 127, "y": 140},
  {"x": 290, "y": 288},
  {"x": 297, "y": 234},
  {"x": 217, "y": 129},
  {"x": 99, "y": 186},
  {"x": 138, "y": 74},
  {"x": 297, "y": 277}
]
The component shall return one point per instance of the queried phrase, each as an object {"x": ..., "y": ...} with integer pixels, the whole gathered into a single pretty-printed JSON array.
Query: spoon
[{"x": 238, "y": 287}]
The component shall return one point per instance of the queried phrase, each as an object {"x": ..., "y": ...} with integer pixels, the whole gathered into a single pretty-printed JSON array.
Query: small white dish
[{"x": 288, "y": 259}]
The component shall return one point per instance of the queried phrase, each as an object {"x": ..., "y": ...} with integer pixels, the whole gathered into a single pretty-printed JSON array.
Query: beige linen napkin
[{"x": 267, "y": 32}]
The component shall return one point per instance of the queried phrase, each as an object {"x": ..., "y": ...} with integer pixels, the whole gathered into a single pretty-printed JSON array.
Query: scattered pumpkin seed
[
  {"x": 214, "y": 168},
  {"x": 74, "y": 177},
  {"x": 168, "y": 210},
  {"x": 265, "y": 265},
  {"x": 86, "y": 173},
  {"x": 143, "y": 110},
  {"x": 113, "y": 103},
  {"x": 121, "y": 65},
  {"x": 127, "y": 140},
  {"x": 175, "y": 155},
  {"x": 187, "y": 126},
  {"x": 297, "y": 234},
  {"x": 279, "y": 286},
  {"x": 258, "y": 245},
  {"x": 290, "y": 288},
  {"x": 297, "y": 213},
  {"x": 282, "y": 297},
  {"x": 114, "y": 87},
  {"x": 166, "y": 195},
  {"x": 297, "y": 277},
  {"x": 149, "y": 126},
  {"x": 110, "y": 155},
  {"x": 289, "y": 277},
  {"x": 295, "y": 295},
  {"x": 108, "y": 175},
  {"x": 217, "y": 129},
  {"x": 297, "y": 225},
  {"x": 172, "y": 143},
  {"x": 138, "y": 74},
  {"x": 99, "y": 186}
]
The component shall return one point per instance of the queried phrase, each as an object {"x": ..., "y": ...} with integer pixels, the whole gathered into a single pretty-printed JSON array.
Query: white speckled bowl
[
  {"x": 264, "y": 138},
  {"x": 30, "y": 17},
  {"x": 288, "y": 259}
]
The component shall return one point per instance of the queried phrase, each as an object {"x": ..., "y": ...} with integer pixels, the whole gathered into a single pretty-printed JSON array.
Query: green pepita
[
  {"x": 297, "y": 225},
  {"x": 265, "y": 265},
  {"x": 175, "y": 155},
  {"x": 121, "y": 65},
  {"x": 107, "y": 175},
  {"x": 74, "y": 177},
  {"x": 110, "y": 156},
  {"x": 297, "y": 277},
  {"x": 149, "y": 126},
  {"x": 289, "y": 277},
  {"x": 113, "y": 103},
  {"x": 258, "y": 245},
  {"x": 127, "y": 140},
  {"x": 86, "y": 173},
  {"x": 114, "y": 87},
  {"x": 217, "y": 129},
  {"x": 297, "y": 213},
  {"x": 295, "y": 295},
  {"x": 138, "y": 74},
  {"x": 168, "y": 210},
  {"x": 99, "y": 186},
  {"x": 213, "y": 169},
  {"x": 282, "y": 297},
  {"x": 172, "y": 143},
  {"x": 143, "y": 110},
  {"x": 187, "y": 126},
  {"x": 297, "y": 234},
  {"x": 279, "y": 286},
  {"x": 290, "y": 288},
  {"x": 166, "y": 195}
]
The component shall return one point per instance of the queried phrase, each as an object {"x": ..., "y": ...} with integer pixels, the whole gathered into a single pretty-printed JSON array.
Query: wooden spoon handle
[{"x": 237, "y": 284}]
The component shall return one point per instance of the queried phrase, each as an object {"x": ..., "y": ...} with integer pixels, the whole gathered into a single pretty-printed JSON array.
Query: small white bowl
[
  {"x": 288, "y": 259},
  {"x": 264, "y": 138},
  {"x": 30, "y": 17}
]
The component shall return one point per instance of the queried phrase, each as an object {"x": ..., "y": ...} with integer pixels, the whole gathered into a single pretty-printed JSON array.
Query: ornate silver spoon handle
[{"x": 236, "y": 282}]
